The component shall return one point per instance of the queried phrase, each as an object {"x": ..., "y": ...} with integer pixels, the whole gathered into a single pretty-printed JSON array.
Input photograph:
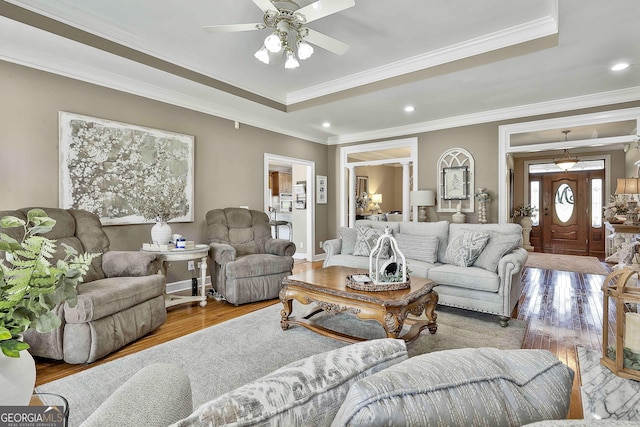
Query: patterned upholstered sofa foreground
[
  {"x": 365, "y": 384},
  {"x": 477, "y": 266}
]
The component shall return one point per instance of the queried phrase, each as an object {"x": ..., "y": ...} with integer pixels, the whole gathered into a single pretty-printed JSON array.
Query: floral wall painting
[
  {"x": 126, "y": 174},
  {"x": 454, "y": 183}
]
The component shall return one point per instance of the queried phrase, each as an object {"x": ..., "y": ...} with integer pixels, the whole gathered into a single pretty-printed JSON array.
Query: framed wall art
[
  {"x": 126, "y": 174},
  {"x": 321, "y": 190},
  {"x": 455, "y": 183}
]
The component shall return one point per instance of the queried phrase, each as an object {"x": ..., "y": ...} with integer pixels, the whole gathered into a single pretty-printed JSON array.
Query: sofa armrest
[
  {"x": 509, "y": 265},
  {"x": 157, "y": 395},
  {"x": 280, "y": 247},
  {"x": 221, "y": 253},
  {"x": 331, "y": 247},
  {"x": 129, "y": 263}
]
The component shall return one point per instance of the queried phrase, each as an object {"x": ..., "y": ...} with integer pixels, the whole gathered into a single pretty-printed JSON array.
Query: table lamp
[
  {"x": 376, "y": 199},
  {"x": 422, "y": 199}
]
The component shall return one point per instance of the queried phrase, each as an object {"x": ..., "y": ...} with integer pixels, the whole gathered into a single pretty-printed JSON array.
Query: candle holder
[
  {"x": 387, "y": 264},
  {"x": 621, "y": 324}
]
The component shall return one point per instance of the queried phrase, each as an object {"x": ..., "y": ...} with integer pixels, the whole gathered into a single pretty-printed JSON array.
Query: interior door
[{"x": 564, "y": 213}]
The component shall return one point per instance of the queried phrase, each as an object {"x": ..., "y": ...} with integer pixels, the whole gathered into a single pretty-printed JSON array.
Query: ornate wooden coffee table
[{"x": 327, "y": 288}]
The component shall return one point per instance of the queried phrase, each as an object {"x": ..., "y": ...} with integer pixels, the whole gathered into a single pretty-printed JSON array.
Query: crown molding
[
  {"x": 556, "y": 106},
  {"x": 531, "y": 30}
]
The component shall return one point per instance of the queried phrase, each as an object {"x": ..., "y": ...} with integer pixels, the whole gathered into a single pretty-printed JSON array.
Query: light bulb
[
  {"x": 291, "y": 61},
  {"x": 262, "y": 55},
  {"x": 273, "y": 43},
  {"x": 305, "y": 50}
]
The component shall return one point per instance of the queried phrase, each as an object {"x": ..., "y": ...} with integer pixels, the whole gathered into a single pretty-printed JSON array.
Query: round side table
[{"x": 200, "y": 252}]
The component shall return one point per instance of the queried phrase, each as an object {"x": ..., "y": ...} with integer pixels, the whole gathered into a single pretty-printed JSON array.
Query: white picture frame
[
  {"x": 321, "y": 190},
  {"x": 112, "y": 169}
]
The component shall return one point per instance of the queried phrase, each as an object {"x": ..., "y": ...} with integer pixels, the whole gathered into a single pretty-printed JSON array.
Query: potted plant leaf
[{"x": 30, "y": 286}]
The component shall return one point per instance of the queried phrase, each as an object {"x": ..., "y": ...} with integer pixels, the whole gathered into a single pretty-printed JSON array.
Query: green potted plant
[{"x": 30, "y": 286}]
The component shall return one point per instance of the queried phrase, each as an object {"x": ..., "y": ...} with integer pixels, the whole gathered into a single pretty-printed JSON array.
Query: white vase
[
  {"x": 17, "y": 379},
  {"x": 526, "y": 223},
  {"x": 161, "y": 233}
]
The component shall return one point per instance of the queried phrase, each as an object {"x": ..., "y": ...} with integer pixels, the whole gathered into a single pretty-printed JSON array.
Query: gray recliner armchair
[
  {"x": 120, "y": 299},
  {"x": 248, "y": 264}
]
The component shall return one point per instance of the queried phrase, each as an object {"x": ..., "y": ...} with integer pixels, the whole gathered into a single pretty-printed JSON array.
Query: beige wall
[
  {"x": 229, "y": 163},
  {"x": 482, "y": 142},
  {"x": 385, "y": 180}
]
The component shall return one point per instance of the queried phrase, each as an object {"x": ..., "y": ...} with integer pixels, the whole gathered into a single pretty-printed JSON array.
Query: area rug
[
  {"x": 223, "y": 357},
  {"x": 577, "y": 264}
]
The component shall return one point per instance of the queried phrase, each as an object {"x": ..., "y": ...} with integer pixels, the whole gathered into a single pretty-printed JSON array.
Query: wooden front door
[{"x": 565, "y": 220}]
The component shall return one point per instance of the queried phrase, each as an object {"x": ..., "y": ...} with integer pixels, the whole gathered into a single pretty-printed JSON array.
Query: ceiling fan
[{"x": 289, "y": 20}]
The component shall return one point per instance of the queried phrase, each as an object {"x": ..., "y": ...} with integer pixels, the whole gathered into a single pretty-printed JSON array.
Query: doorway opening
[
  {"x": 289, "y": 195},
  {"x": 568, "y": 209}
]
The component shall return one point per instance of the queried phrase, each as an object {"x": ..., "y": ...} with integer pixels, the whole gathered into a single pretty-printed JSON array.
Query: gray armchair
[
  {"x": 247, "y": 263},
  {"x": 120, "y": 300}
]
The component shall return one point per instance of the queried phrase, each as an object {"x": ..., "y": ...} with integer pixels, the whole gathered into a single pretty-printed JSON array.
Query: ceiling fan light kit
[{"x": 288, "y": 20}]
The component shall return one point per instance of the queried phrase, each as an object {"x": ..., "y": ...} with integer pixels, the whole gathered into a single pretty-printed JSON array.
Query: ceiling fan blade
[
  {"x": 326, "y": 42},
  {"x": 233, "y": 28},
  {"x": 265, "y": 5},
  {"x": 322, "y": 8}
]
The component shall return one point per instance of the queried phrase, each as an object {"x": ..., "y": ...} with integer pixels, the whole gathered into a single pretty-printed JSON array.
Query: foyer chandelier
[
  {"x": 289, "y": 33},
  {"x": 567, "y": 161}
]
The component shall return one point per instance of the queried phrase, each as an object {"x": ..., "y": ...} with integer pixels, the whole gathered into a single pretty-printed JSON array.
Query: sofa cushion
[
  {"x": 348, "y": 236},
  {"x": 465, "y": 248},
  {"x": 461, "y": 387},
  {"x": 393, "y": 226},
  {"x": 464, "y": 277},
  {"x": 499, "y": 245},
  {"x": 503, "y": 238},
  {"x": 105, "y": 297},
  {"x": 258, "y": 265},
  {"x": 366, "y": 240},
  {"x": 305, "y": 392},
  {"x": 438, "y": 229},
  {"x": 421, "y": 248}
]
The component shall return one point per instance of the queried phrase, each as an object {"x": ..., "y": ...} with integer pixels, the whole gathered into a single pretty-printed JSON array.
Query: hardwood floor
[{"x": 563, "y": 309}]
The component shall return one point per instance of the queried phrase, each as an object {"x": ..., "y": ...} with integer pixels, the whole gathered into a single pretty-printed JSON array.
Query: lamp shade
[
  {"x": 423, "y": 198},
  {"x": 376, "y": 198},
  {"x": 627, "y": 186}
]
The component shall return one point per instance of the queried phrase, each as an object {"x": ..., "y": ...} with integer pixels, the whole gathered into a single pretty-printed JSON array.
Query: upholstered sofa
[
  {"x": 120, "y": 300},
  {"x": 365, "y": 384},
  {"x": 248, "y": 264},
  {"x": 477, "y": 266}
]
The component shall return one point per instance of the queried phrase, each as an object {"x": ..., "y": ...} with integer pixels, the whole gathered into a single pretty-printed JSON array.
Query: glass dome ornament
[{"x": 387, "y": 264}]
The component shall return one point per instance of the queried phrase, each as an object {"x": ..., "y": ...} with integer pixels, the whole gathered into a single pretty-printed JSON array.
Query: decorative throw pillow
[
  {"x": 468, "y": 386},
  {"x": 366, "y": 240},
  {"x": 348, "y": 236},
  {"x": 498, "y": 246},
  {"x": 465, "y": 248},
  {"x": 306, "y": 392},
  {"x": 420, "y": 248}
]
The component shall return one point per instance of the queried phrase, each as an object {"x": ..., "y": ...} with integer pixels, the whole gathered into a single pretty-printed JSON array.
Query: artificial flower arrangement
[
  {"x": 617, "y": 207},
  {"x": 525, "y": 210},
  {"x": 362, "y": 201}
]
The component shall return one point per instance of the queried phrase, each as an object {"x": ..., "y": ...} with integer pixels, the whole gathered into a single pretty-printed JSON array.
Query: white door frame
[
  {"x": 505, "y": 147},
  {"x": 311, "y": 197},
  {"x": 345, "y": 196}
]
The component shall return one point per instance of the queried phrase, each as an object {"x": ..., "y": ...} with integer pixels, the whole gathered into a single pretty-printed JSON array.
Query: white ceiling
[{"x": 457, "y": 61}]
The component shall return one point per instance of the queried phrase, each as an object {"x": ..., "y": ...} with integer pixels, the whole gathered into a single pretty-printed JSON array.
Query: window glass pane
[
  {"x": 564, "y": 202},
  {"x": 535, "y": 201},
  {"x": 596, "y": 202}
]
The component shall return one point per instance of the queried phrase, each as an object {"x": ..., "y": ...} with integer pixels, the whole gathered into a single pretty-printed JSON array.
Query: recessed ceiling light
[
  {"x": 326, "y": 125},
  {"x": 409, "y": 108},
  {"x": 620, "y": 66}
]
